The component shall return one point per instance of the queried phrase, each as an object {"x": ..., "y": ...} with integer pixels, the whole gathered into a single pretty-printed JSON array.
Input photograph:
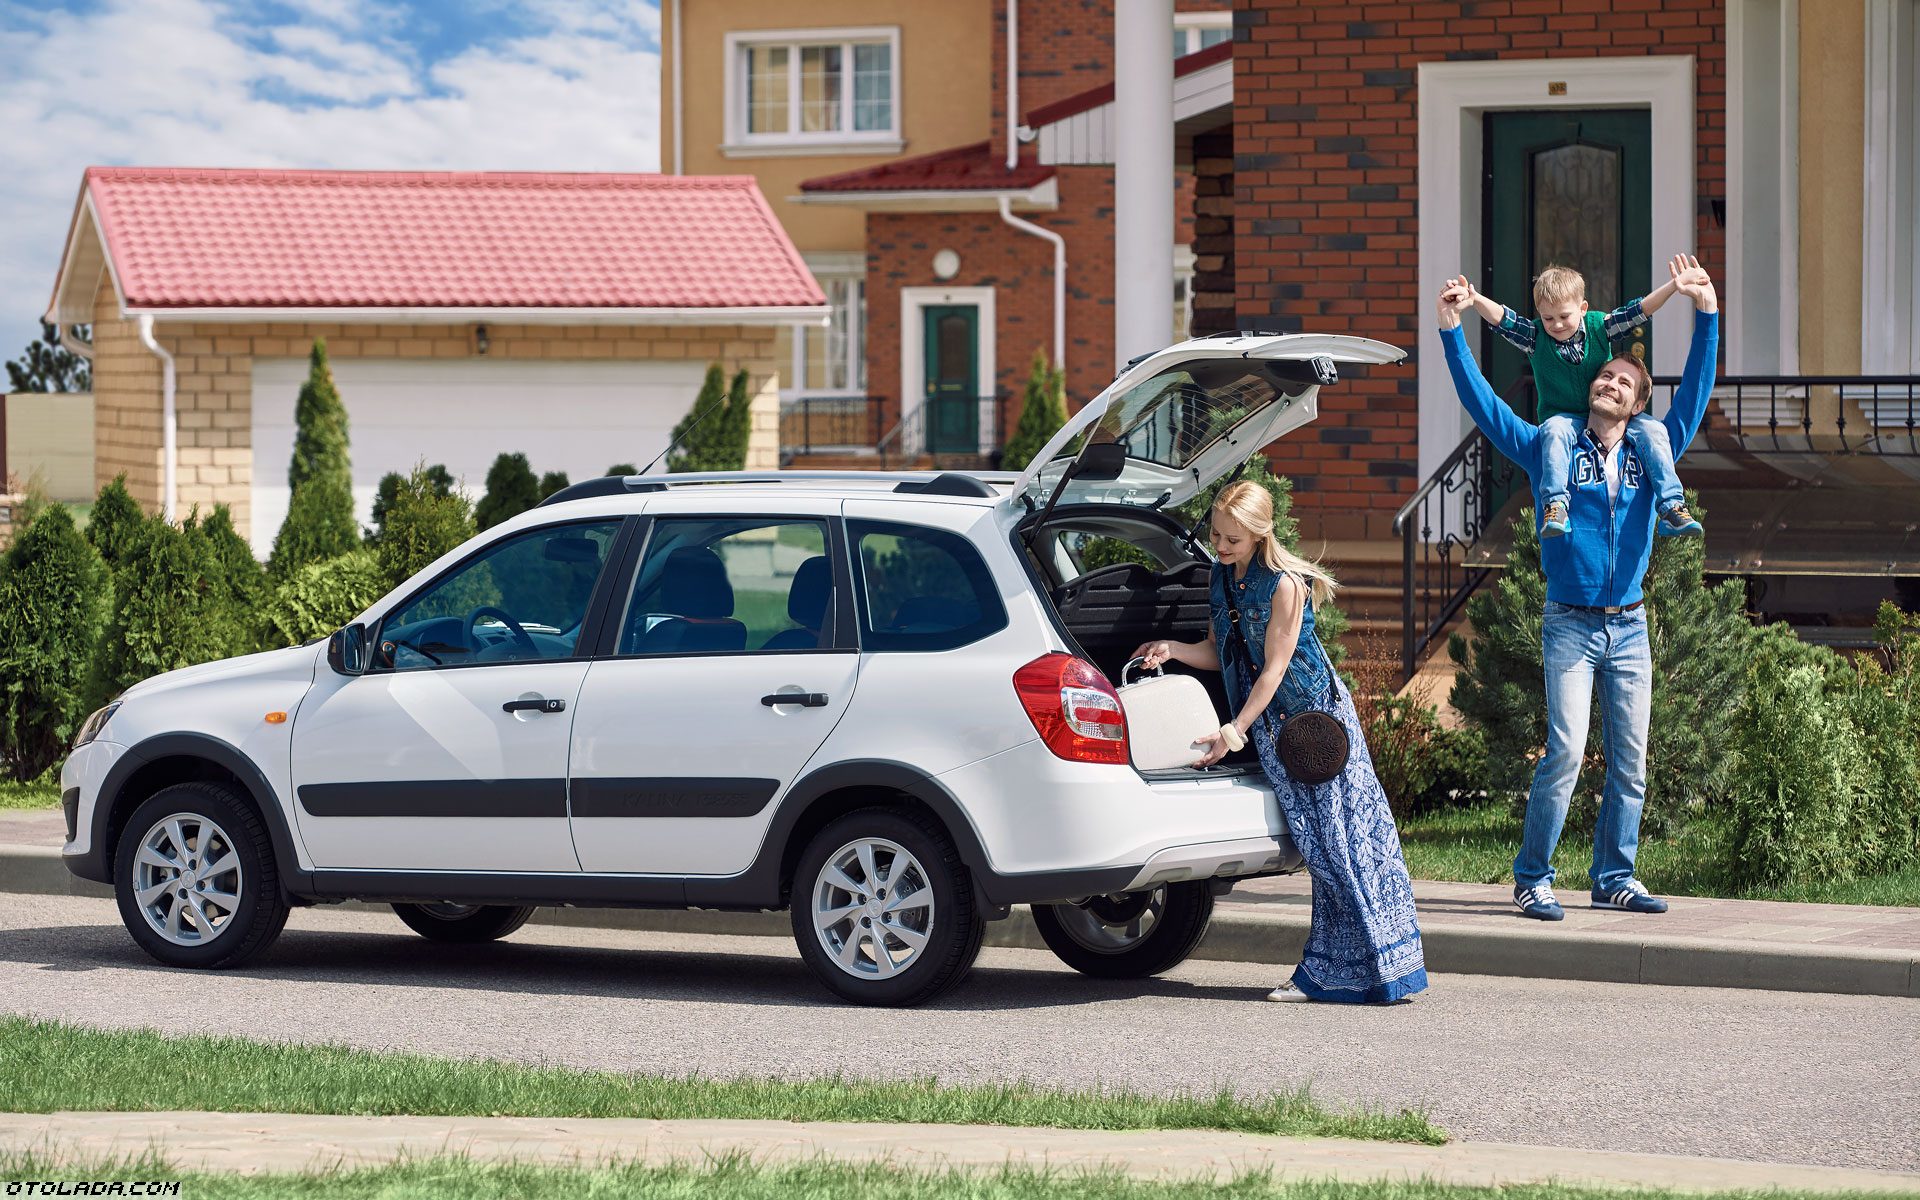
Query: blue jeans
[
  {"x": 1584, "y": 648},
  {"x": 1560, "y": 438}
]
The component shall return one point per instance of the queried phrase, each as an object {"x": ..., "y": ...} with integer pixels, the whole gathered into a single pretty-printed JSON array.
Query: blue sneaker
[
  {"x": 1538, "y": 902},
  {"x": 1677, "y": 521},
  {"x": 1555, "y": 523},
  {"x": 1630, "y": 896}
]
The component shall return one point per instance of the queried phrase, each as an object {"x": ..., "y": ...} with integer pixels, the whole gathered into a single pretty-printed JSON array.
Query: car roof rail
[
  {"x": 606, "y": 485},
  {"x": 948, "y": 483}
]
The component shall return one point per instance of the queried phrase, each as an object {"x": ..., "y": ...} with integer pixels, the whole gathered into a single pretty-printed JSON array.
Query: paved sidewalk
[
  {"x": 1469, "y": 929},
  {"x": 254, "y": 1142}
]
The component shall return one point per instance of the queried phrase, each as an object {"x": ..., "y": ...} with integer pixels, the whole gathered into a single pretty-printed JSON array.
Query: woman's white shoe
[{"x": 1286, "y": 993}]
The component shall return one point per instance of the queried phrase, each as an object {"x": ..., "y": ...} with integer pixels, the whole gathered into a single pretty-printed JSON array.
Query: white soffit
[{"x": 1086, "y": 138}]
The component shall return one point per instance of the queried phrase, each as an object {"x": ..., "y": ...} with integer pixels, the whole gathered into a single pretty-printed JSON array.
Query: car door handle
[
  {"x": 803, "y": 699},
  {"x": 534, "y": 704}
]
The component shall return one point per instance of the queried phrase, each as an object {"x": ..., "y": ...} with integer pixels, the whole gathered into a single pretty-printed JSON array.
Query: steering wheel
[{"x": 519, "y": 635}]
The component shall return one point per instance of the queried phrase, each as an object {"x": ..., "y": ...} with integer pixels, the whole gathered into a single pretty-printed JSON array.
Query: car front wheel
[
  {"x": 883, "y": 909},
  {"x": 463, "y": 923},
  {"x": 195, "y": 878},
  {"x": 1130, "y": 935}
]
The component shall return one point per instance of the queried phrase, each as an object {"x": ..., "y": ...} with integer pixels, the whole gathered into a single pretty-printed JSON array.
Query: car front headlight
[{"x": 91, "y": 727}]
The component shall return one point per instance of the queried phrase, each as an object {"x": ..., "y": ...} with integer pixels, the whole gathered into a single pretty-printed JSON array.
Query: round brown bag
[{"x": 1313, "y": 747}]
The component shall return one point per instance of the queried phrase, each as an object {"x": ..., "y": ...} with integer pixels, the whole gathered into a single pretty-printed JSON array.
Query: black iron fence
[
  {"x": 952, "y": 431},
  {"x": 831, "y": 424},
  {"x": 1814, "y": 414}
]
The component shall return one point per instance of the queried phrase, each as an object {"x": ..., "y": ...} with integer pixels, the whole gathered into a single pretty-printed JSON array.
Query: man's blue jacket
[{"x": 1601, "y": 563}]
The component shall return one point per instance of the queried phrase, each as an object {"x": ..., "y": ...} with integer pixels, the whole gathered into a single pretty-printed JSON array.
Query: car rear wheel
[
  {"x": 1130, "y": 935},
  {"x": 195, "y": 879},
  {"x": 883, "y": 909},
  {"x": 444, "y": 921}
]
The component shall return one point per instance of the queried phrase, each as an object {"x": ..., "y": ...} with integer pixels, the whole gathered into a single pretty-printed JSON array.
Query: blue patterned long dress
[{"x": 1364, "y": 943}]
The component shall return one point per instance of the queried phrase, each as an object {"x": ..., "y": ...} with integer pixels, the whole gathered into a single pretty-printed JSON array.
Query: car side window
[
  {"x": 731, "y": 585},
  {"x": 523, "y": 599},
  {"x": 921, "y": 589}
]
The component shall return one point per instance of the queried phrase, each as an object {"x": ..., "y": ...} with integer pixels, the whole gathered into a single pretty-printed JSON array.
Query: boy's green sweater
[{"x": 1561, "y": 387}]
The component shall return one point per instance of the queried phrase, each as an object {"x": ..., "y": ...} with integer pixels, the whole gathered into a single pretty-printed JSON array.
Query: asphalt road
[{"x": 1760, "y": 1075}]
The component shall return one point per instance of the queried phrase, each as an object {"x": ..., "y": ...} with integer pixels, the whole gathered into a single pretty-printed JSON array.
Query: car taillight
[{"x": 1074, "y": 707}]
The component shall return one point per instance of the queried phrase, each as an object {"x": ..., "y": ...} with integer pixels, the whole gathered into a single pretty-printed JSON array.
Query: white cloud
[{"x": 199, "y": 83}]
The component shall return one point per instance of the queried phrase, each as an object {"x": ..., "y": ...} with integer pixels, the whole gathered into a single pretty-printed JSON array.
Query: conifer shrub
[
  {"x": 320, "y": 521},
  {"x": 437, "y": 477},
  {"x": 1043, "y": 410},
  {"x": 713, "y": 435},
  {"x": 53, "y": 607},
  {"x": 422, "y": 523},
  {"x": 511, "y": 490},
  {"x": 623, "y": 469},
  {"x": 553, "y": 481},
  {"x": 238, "y": 578},
  {"x": 170, "y": 609},
  {"x": 321, "y": 597},
  {"x": 115, "y": 518}
]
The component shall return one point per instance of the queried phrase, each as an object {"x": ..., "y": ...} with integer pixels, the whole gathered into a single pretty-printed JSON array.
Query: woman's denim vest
[{"x": 1309, "y": 674}]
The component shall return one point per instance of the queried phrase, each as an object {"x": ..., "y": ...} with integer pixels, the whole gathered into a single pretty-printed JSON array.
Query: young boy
[{"x": 1566, "y": 349}]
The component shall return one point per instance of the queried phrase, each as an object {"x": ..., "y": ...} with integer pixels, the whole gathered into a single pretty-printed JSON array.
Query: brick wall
[
  {"x": 1019, "y": 267},
  {"x": 1212, "y": 220},
  {"x": 1324, "y": 174},
  {"x": 213, "y": 391}
]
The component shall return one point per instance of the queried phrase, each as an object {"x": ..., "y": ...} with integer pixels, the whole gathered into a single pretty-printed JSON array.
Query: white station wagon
[{"x": 880, "y": 701}]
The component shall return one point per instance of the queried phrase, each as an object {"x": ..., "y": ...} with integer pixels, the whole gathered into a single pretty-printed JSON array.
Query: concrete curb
[{"x": 1276, "y": 938}]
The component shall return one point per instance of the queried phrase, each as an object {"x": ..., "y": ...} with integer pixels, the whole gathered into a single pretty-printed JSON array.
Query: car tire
[
  {"x": 466, "y": 924},
  {"x": 922, "y": 905},
  {"x": 195, "y": 878},
  {"x": 1110, "y": 937}
]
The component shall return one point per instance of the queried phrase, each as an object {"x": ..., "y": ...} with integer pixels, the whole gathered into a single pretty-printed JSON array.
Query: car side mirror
[{"x": 347, "y": 650}]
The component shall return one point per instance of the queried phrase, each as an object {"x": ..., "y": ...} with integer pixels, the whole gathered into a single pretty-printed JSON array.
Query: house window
[
  {"x": 813, "y": 90},
  {"x": 1194, "y": 32},
  {"x": 833, "y": 360}
]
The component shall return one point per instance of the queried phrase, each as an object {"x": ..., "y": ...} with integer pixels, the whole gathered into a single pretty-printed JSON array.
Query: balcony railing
[
  {"x": 1814, "y": 414},
  {"x": 952, "y": 431},
  {"x": 831, "y": 425}
]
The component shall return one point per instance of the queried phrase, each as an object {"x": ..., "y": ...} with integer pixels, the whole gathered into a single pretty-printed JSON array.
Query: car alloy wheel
[
  {"x": 873, "y": 908},
  {"x": 1113, "y": 924},
  {"x": 187, "y": 879}
]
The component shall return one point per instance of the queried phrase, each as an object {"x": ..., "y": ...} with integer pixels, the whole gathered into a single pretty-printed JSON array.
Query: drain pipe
[
  {"x": 1006, "y": 204},
  {"x": 168, "y": 421},
  {"x": 679, "y": 110}
]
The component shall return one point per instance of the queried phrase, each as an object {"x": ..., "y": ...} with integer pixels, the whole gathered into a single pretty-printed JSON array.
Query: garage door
[{"x": 577, "y": 417}]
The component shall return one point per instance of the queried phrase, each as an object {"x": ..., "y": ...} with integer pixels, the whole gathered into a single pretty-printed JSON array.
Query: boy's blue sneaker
[
  {"x": 1676, "y": 521},
  {"x": 1538, "y": 902},
  {"x": 1630, "y": 896},
  {"x": 1555, "y": 523}
]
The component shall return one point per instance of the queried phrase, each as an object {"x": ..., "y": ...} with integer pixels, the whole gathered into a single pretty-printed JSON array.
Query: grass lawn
[
  {"x": 739, "y": 1179},
  {"x": 43, "y": 792},
  {"x": 1477, "y": 844},
  {"x": 52, "y": 1066}
]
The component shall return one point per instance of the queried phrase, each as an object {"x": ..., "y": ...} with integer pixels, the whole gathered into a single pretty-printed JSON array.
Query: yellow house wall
[
  {"x": 1832, "y": 148},
  {"x": 946, "y": 57},
  {"x": 214, "y": 386}
]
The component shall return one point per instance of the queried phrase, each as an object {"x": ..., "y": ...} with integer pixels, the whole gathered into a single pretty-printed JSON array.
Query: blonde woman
[{"x": 1364, "y": 943}]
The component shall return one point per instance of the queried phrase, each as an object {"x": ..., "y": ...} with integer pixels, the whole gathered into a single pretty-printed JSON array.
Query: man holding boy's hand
[{"x": 1595, "y": 626}]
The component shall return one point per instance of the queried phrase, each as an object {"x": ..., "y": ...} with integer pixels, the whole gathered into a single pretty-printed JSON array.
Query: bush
[
  {"x": 553, "y": 481},
  {"x": 713, "y": 434},
  {"x": 511, "y": 490},
  {"x": 422, "y": 523},
  {"x": 1042, "y": 413},
  {"x": 437, "y": 477},
  {"x": 113, "y": 522},
  {"x": 1421, "y": 764},
  {"x": 239, "y": 578},
  {"x": 320, "y": 521},
  {"x": 623, "y": 469},
  {"x": 170, "y": 609},
  {"x": 1700, "y": 640},
  {"x": 321, "y": 597},
  {"x": 52, "y": 609}
]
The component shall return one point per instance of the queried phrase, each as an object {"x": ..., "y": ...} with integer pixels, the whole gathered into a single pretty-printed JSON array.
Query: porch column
[{"x": 1142, "y": 177}]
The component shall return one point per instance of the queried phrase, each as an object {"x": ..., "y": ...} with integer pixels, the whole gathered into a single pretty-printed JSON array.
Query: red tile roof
[
  {"x": 1073, "y": 105},
  {"x": 190, "y": 239},
  {"x": 978, "y": 167}
]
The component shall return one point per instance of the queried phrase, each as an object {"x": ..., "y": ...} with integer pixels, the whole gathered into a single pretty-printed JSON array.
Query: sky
[{"x": 567, "y": 85}]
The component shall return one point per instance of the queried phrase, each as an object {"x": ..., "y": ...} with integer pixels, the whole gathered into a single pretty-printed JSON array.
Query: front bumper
[{"x": 81, "y": 777}]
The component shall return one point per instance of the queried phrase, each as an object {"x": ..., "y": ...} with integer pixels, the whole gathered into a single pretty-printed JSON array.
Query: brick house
[
  {"x": 1333, "y": 164},
  {"x": 571, "y": 317}
]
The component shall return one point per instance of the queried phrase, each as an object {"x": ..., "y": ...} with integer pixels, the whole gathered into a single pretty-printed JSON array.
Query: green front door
[
  {"x": 1572, "y": 188},
  {"x": 952, "y": 413}
]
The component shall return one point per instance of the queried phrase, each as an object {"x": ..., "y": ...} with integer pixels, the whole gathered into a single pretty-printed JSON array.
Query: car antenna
[{"x": 718, "y": 401}]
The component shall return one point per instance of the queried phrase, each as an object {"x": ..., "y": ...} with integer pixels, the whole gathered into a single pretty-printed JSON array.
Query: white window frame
[
  {"x": 1761, "y": 333},
  {"x": 845, "y": 140},
  {"x": 1890, "y": 260},
  {"x": 1193, "y": 22},
  {"x": 840, "y": 265},
  {"x": 913, "y": 349}
]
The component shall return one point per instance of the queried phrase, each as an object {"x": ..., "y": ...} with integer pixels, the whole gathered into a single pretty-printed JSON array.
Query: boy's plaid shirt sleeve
[
  {"x": 1520, "y": 331},
  {"x": 1626, "y": 317}
]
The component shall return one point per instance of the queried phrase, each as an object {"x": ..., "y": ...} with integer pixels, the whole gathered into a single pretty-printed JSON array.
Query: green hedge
[{"x": 53, "y": 606}]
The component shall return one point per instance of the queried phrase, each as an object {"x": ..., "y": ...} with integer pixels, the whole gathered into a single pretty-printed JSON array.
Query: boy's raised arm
[{"x": 1509, "y": 434}]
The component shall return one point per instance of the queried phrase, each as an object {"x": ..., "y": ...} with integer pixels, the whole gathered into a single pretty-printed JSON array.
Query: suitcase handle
[{"x": 1130, "y": 664}]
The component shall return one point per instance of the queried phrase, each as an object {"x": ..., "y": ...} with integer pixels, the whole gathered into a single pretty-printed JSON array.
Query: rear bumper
[{"x": 1219, "y": 860}]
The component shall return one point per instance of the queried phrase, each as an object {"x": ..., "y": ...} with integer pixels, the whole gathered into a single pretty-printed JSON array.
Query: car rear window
[{"x": 921, "y": 589}]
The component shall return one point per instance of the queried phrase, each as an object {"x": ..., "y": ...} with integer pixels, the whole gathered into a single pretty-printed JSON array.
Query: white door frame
[
  {"x": 913, "y": 338},
  {"x": 1453, "y": 98}
]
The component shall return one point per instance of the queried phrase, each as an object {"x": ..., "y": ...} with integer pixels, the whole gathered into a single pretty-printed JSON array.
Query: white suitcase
[{"x": 1166, "y": 716}]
